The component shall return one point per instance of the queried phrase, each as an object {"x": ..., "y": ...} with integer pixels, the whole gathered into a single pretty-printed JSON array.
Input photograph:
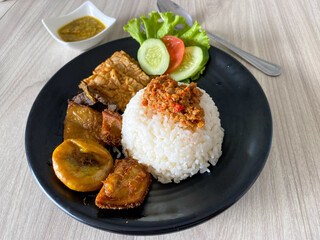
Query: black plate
[{"x": 245, "y": 116}]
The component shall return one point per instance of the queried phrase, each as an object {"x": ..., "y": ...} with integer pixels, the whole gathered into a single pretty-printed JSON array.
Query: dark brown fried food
[
  {"x": 82, "y": 99},
  {"x": 82, "y": 122},
  {"x": 125, "y": 187},
  {"x": 113, "y": 107},
  {"x": 111, "y": 128},
  {"x": 116, "y": 80}
]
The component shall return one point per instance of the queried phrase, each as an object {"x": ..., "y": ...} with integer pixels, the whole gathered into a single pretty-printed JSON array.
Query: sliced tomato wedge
[{"x": 175, "y": 47}]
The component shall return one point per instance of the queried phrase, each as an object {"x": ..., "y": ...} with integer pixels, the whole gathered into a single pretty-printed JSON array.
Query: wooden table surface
[{"x": 284, "y": 201}]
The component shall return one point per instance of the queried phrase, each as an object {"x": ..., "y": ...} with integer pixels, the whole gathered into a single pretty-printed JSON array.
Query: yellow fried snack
[
  {"x": 81, "y": 164},
  {"x": 126, "y": 186}
]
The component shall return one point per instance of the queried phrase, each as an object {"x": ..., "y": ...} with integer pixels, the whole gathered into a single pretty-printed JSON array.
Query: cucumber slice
[
  {"x": 194, "y": 59},
  {"x": 153, "y": 57}
]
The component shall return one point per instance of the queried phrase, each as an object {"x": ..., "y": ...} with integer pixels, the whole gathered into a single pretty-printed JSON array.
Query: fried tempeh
[
  {"x": 125, "y": 187},
  {"x": 111, "y": 128},
  {"x": 127, "y": 65},
  {"x": 82, "y": 122},
  {"x": 116, "y": 80}
]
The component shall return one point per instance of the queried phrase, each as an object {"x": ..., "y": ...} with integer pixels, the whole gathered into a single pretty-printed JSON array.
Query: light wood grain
[
  {"x": 284, "y": 201},
  {"x": 5, "y": 6}
]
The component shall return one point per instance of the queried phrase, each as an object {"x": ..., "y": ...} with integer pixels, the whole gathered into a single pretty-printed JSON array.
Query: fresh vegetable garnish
[
  {"x": 193, "y": 63},
  {"x": 153, "y": 56},
  {"x": 175, "y": 47},
  {"x": 160, "y": 26}
]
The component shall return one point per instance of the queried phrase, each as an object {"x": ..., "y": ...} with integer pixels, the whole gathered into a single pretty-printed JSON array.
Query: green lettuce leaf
[
  {"x": 133, "y": 27},
  {"x": 169, "y": 23},
  {"x": 151, "y": 24},
  {"x": 186, "y": 80},
  {"x": 195, "y": 36},
  {"x": 158, "y": 26},
  {"x": 197, "y": 75}
]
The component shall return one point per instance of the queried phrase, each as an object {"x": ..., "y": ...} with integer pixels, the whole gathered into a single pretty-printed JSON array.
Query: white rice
[{"x": 171, "y": 152}]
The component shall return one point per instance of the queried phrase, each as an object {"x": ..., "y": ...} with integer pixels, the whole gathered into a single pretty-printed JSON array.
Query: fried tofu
[
  {"x": 111, "y": 127},
  {"x": 82, "y": 122},
  {"x": 125, "y": 187},
  {"x": 116, "y": 80}
]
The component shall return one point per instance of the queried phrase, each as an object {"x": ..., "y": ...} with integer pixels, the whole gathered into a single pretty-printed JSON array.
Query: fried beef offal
[
  {"x": 116, "y": 80},
  {"x": 82, "y": 122},
  {"x": 82, "y": 99},
  {"x": 111, "y": 128},
  {"x": 125, "y": 187}
]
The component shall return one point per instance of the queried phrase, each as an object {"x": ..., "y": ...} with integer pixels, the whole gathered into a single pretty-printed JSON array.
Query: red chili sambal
[{"x": 180, "y": 102}]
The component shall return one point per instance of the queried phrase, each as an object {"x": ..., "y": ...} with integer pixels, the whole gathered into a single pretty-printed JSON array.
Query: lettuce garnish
[{"x": 158, "y": 26}]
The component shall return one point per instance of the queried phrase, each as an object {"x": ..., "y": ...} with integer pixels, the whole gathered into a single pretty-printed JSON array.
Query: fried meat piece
[
  {"x": 116, "y": 80},
  {"x": 82, "y": 99},
  {"x": 113, "y": 107},
  {"x": 111, "y": 127},
  {"x": 125, "y": 187},
  {"x": 82, "y": 122}
]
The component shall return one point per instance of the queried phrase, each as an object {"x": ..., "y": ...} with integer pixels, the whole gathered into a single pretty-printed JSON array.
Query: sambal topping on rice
[{"x": 180, "y": 102}]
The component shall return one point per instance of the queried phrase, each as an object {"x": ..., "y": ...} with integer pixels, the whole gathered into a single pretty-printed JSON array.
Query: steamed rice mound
[{"x": 170, "y": 151}]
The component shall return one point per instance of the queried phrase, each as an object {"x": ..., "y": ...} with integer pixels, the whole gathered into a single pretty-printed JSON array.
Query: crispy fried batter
[
  {"x": 82, "y": 122},
  {"x": 116, "y": 80},
  {"x": 111, "y": 127},
  {"x": 125, "y": 187}
]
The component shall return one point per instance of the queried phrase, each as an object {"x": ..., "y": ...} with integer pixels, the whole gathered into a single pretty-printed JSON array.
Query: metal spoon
[{"x": 264, "y": 66}]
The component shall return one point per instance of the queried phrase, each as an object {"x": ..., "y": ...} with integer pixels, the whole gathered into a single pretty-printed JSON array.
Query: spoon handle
[{"x": 264, "y": 66}]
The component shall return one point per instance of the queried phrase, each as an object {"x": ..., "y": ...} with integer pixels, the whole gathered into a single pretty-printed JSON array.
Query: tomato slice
[{"x": 175, "y": 47}]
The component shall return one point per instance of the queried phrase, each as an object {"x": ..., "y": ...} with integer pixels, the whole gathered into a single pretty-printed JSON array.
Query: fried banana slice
[
  {"x": 82, "y": 122},
  {"x": 116, "y": 80},
  {"x": 111, "y": 128},
  {"x": 125, "y": 187},
  {"x": 81, "y": 164}
]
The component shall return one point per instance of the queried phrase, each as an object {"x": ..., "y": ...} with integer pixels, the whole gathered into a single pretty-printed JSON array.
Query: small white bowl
[{"x": 86, "y": 9}]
